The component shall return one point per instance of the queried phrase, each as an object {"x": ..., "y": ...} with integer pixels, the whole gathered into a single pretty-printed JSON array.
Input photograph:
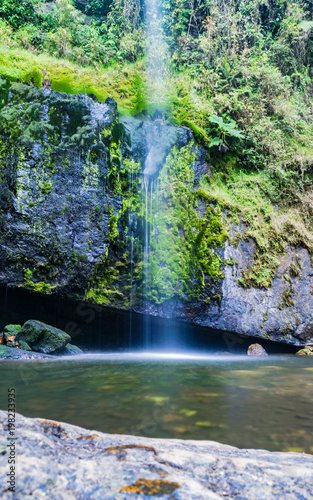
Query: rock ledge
[{"x": 62, "y": 461}]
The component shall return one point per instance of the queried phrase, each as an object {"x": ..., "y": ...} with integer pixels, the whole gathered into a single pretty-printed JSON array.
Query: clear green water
[{"x": 245, "y": 402}]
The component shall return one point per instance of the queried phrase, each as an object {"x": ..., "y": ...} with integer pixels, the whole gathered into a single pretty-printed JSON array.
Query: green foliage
[
  {"x": 104, "y": 289},
  {"x": 62, "y": 30},
  {"x": 124, "y": 83},
  {"x": 34, "y": 76},
  {"x": 224, "y": 130},
  {"x": 97, "y": 8},
  {"x": 17, "y": 13}
]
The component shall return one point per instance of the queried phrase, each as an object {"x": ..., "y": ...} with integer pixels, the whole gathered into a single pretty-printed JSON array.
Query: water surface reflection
[{"x": 242, "y": 401}]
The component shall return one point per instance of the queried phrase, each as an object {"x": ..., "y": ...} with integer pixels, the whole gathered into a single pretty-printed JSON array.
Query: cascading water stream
[
  {"x": 130, "y": 221},
  {"x": 151, "y": 142},
  {"x": 157, "y": 76},
  {"x": 146, "y": 268}
]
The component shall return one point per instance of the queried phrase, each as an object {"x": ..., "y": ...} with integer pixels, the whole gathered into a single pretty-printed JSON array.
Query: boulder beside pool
[
  {"x": 9, "y": 334},
  {"x": 11, "y": 331},
  {"x": 40, "y": 337},
  {"x": 305, "y": 351},
  {"x": 256, "y": 350},
  {"x": 35, "y": 337},
  {"x": 69, "y": 350}
]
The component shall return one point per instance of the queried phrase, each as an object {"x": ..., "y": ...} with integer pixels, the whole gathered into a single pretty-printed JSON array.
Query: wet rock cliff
[{"x": 110, "y": 210}]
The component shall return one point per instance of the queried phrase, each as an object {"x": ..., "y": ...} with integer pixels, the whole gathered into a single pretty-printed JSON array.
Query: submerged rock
[
  {"x": 256, "y": 350},
  {"x": 58, "y": 460},
  {"x": 41, "y": 337}
]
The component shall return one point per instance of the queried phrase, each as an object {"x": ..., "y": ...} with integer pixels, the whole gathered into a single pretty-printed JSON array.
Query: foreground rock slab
[{"x": 62, "y": 461}]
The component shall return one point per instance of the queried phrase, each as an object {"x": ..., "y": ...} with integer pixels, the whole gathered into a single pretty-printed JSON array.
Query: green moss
[
  {"x": 24, "y": 345},
  {"x": 265, "y": 318},
  {"x": 286, "y": 299},
  {"x": 36, "y": 286},
  {"x": 183, "y": 247},
  {"x": 34, "y": 76},
  {"x": 124, "y": 83},
  {"x": 11, "y": 331},
  {"x": 261, "y": 273},
  {"x": 199, "y": 133},
  {"x": 217, "y": 297},
  {"x": 104, "y": 287},
  {"x": 243, "y": 198},
  {"x": 113, "y": 227},
  {"x": 46, "y": 188},
  {"x": 294, "y": 269}
]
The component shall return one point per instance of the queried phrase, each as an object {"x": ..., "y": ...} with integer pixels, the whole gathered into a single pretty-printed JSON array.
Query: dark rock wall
[
  {"x": 55, "y": 209},
  {"x": 282, "y": 313}
]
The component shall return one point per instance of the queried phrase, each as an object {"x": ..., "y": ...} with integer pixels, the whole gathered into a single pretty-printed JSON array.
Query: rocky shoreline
[
  {"x": 38, "y": 340},
  {"x": 60, "y": 461}
]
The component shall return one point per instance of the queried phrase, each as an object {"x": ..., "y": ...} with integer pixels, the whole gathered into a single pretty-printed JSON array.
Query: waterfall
[
  {"x": 157, "y": 80},
  {"x": 147, "y": 260},
  {"x": 130, "y": 222},
  {"x": 151, "y": 141},
  {"x": 157, "y": 56}
]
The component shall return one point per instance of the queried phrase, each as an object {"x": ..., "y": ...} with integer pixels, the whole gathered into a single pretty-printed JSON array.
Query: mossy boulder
[
  {"x": 71, "y": 350},
  {"x": 23, "y": 345},
  {"x": 10, "y": 331},
  {"x": 41, "y": 337},
  {"x": 306, "y": 351}
]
